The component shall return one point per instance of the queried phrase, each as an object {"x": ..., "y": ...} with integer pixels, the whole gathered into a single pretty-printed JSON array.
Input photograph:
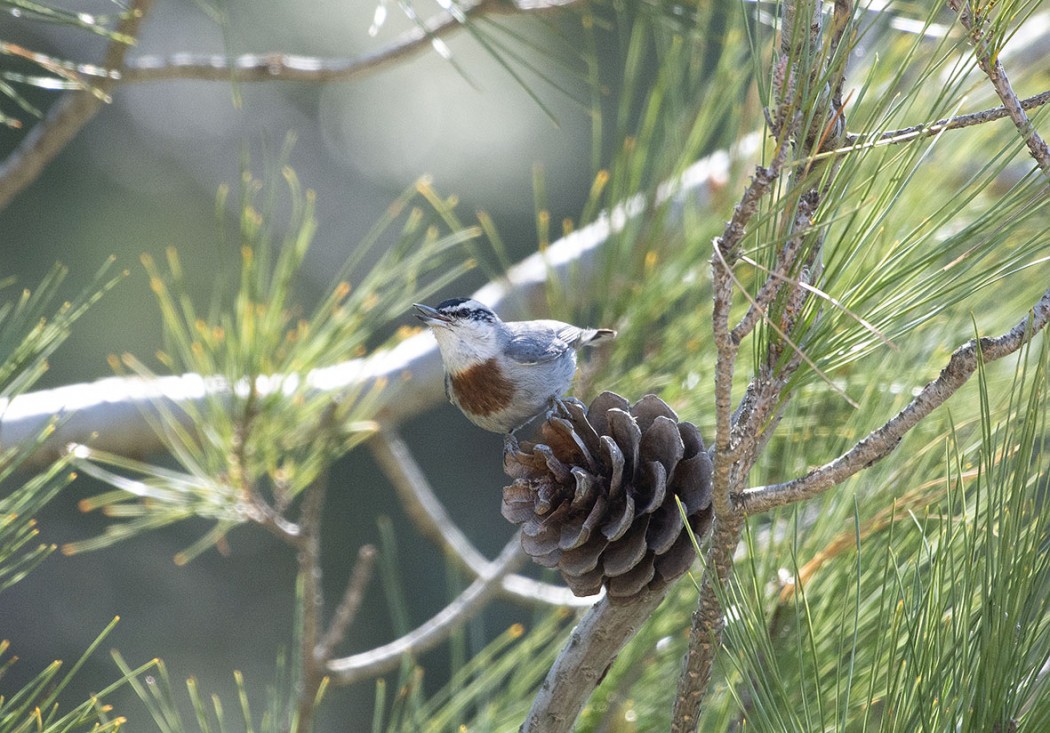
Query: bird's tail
[{"x": 594, "y": 336}]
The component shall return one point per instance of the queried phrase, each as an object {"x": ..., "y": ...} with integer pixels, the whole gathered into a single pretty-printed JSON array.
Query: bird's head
[{"x": 467, "y": 331}]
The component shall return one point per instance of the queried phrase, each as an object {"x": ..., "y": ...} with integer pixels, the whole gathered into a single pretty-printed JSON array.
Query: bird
[{"x": 501, "y": 374}]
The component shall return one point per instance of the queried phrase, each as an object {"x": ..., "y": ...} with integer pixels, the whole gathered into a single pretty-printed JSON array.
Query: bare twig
[
  {"x": 726, "y": 247},
  {"x": 988, "y": 60},
  {"x": 348, "y": 607},
  {"x": 256, "y": 67},
  {"x": 880, "y": 442},
  {"x": 347, "y": 670},
  {"x": 292, "y": 67},
  {"x": 777, "y": 278},
  {"x": 855, "y": 141},
  {"x": 68, "y": 115},
  {"x": 429, "y": 515},
  {"x": 590, "y": 651}
]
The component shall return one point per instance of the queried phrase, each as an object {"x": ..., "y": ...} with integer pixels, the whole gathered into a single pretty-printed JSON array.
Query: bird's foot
[{"x": 558, "y": 406}]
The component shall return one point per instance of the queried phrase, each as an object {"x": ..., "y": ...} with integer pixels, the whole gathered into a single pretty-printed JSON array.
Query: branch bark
[
  {"x": 590, "y": 651},
  {"x": 880, "y": 442}
]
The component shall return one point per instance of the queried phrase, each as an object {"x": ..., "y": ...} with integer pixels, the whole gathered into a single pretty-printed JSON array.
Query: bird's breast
[{"x": 482, "y": 389}]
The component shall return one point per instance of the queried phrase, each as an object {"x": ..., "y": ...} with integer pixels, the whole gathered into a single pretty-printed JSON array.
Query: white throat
[{"x": 466, "y": 345}]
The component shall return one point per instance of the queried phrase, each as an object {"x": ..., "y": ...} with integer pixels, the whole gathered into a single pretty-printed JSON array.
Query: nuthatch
[{"x": 501, "y": 375}]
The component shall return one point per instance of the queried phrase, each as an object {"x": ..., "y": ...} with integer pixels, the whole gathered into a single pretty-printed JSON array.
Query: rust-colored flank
[{"x": 482, "y": 389}]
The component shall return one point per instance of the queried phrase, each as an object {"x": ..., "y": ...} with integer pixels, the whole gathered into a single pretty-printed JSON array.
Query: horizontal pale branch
[
  {"x": 881, "y": 442},
  {"x": 111, "y": 414}
]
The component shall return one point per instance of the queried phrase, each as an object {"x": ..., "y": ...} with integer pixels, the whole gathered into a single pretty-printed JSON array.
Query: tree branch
[
  {"x": 256, "y": 67},
  {"x": 311, "y": 668},
  {"x": 590, "y": 651},
  {"x": 799, "y": 94},
  {"x": 291, "y": 67},
  {"x": 856, "y": 141},
  {"x": 345, "y": 614},
  {"x": 881, "y": 442},
  {"x": 380, "y": 660},
  {"x": 111, "y": 414},
  {"x": 708, "y": 621}
]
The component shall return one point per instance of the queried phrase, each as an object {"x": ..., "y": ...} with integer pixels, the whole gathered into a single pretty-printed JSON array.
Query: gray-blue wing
[{"x": 540, "y": 341}]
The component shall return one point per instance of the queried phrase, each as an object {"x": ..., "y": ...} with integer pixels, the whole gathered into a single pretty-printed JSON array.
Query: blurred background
[
  {"x": 142, "y": 176},
  {"x": 506, "y": 133}
]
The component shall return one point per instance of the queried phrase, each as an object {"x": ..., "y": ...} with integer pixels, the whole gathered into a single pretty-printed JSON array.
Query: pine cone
[{"x": 595, "y": 498}]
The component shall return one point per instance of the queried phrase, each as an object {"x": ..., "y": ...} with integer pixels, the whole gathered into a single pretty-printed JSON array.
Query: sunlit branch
[{"x": 590, "y": 650}]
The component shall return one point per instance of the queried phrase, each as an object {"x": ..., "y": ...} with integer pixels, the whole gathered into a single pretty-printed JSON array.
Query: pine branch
[
  {"x": 353, "y": 596},
  {"x": 69, "y": 114},
  {"x": 798, "y": 96},
  {"x": 111, "y": 414},
  {"x": 311, "y": 665},
  {"x": 855, "y": 141},
  {"x": 277, "y": 66}
]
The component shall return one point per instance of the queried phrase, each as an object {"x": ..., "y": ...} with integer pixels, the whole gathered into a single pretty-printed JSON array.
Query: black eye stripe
[{"x": 464, "y": 314}]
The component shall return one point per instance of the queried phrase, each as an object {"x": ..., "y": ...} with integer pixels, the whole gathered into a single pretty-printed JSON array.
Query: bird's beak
[{"x": 430, "y": 316}]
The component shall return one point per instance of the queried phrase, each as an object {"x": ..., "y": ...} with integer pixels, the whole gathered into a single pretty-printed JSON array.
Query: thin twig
[
  {"x": 988, "y": 60},
  {"x": 291, "y": 67},
  {"x": 880, "y": 442},
  {"x": 311, "y": 672},
  {"x": 347, "y": 610},
  {"x": 857, "y": 141},
  {"x": 68, "y": 115},
  {"x": 586, "y": 657},
  {"x": 726, "y": 248},
  {"x": 424, "y": 508},
  {"x": 777, "y": 278},
  {"x": 262, "y": 67},
  {"x": 347, "y": 670},
  {"x": 835, "y": 302}
]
